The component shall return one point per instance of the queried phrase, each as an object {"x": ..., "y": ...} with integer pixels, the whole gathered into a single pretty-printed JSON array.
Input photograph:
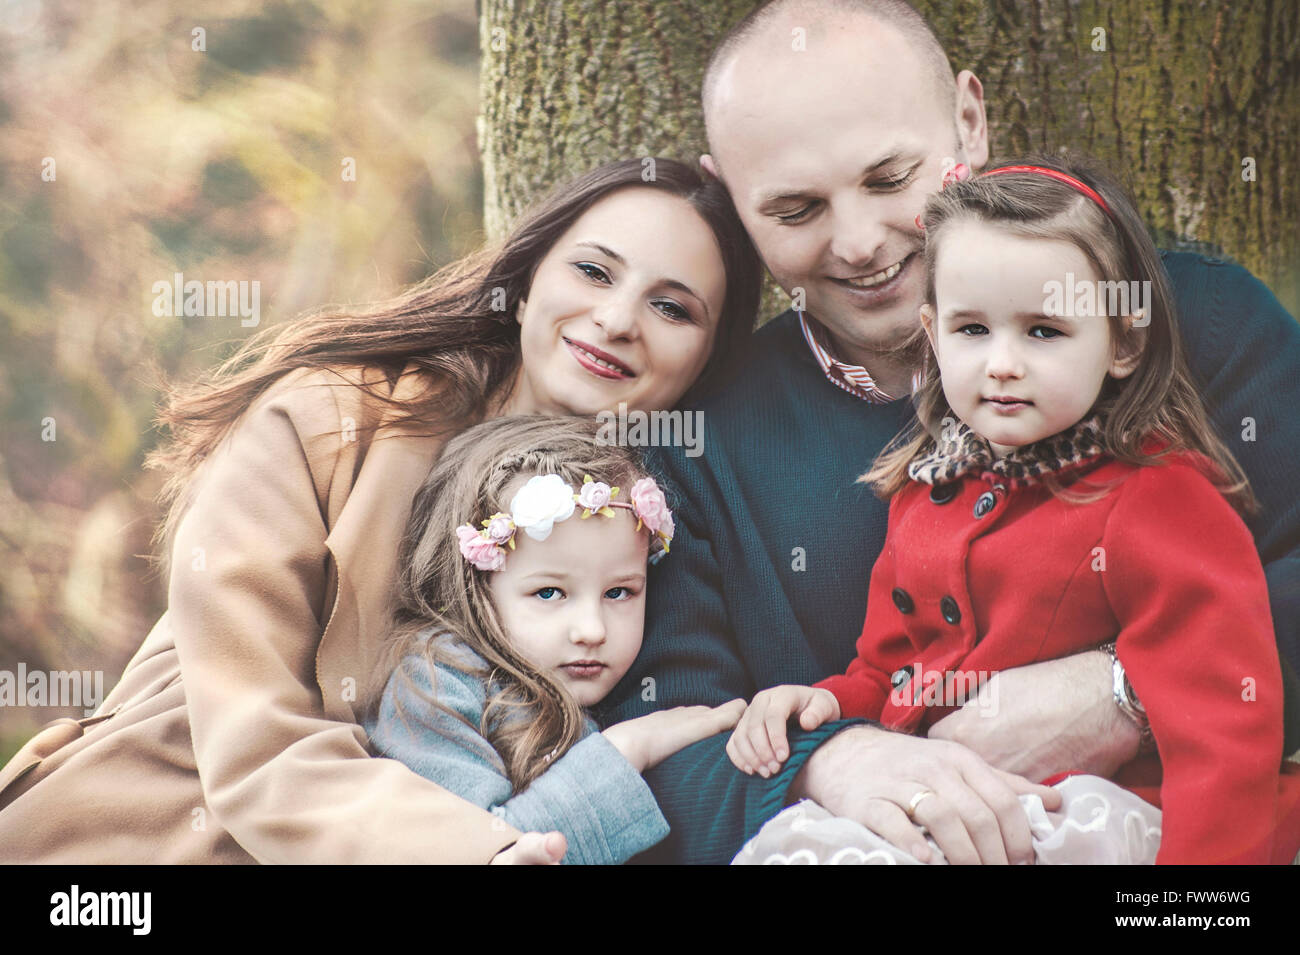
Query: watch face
[{"x": 1133, "y": 697}]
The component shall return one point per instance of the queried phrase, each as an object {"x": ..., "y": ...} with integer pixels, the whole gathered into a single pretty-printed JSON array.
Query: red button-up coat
[{"x": 999, "y": 576}]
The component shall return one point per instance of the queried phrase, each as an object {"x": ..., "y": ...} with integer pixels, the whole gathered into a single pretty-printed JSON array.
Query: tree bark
[
  {"x": 1182, "y": 100},
  {"x": 569, "y": 84}
]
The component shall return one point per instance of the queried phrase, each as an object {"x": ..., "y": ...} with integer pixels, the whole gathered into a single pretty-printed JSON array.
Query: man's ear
[
  {"x": 710, "y": 167},
  {"x": 972, "y": 124}
]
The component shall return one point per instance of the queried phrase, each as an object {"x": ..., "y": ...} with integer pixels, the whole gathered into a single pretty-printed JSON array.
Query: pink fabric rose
[
  {"x": 593, "y": 495},
  {"x": 651, "y": 506},
  {"x": 500, "y": 528},
  {"x": 480, "y": 551}
]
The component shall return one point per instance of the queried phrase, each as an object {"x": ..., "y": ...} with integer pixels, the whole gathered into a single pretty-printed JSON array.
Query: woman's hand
[
  {"x": 759, "y": 743},
  {"x": 534, "y": 848},
  {"x": 648, "y": 740}
]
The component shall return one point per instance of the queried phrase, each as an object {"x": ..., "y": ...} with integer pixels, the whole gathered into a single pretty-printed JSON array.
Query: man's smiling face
[{"x": 829, "y": 154}]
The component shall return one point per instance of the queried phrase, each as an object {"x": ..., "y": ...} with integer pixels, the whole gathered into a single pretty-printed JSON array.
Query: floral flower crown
[{"x": 548, "y": 498}]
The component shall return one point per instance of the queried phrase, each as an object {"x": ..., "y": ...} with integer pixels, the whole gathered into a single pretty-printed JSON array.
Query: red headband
[
  {"x": 961, "y": 172},
  {"x": 1060, "y": 177}
]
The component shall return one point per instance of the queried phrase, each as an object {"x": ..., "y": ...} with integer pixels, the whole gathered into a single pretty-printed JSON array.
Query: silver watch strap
[{"x": 1125, "y": 698}]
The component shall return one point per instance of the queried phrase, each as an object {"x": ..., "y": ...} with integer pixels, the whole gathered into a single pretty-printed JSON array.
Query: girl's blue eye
[
  {"x": 615, "y": 590},
  {"x": 592, "y": 271},
  {"x": 979, "y": 330},
  {"x": 546, "y": 591},
  {"x": 1055, "y": 332}
]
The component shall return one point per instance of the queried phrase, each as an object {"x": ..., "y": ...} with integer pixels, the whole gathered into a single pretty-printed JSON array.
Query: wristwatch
[{"x": 1127, "y": 701}]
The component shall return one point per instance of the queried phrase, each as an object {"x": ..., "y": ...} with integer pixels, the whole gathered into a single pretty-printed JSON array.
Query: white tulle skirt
[{"x": 1099, "y": 823}]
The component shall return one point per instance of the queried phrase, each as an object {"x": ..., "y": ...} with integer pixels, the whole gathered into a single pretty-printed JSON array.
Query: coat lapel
[{"x": 364, "y": 544}]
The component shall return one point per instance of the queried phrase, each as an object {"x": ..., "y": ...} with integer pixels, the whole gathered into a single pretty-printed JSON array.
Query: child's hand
[
  {"x": 534, "y": 848},
  {"x": 759, "y": 743},
  {"x": 648, "y": 740}
]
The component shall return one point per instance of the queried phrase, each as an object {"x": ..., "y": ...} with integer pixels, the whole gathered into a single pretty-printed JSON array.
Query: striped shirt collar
[{"x": 854, "y": 379}]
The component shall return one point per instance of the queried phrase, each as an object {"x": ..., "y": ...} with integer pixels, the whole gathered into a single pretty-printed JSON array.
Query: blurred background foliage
[{"x": 225, "y": 165}]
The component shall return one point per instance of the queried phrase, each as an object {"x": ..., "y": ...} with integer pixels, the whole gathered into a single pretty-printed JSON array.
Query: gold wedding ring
[{"x": 916, "y": 801}]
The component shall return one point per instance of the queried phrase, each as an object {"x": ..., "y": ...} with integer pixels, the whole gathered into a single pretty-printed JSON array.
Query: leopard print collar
[{"x": 961, "y": 451}]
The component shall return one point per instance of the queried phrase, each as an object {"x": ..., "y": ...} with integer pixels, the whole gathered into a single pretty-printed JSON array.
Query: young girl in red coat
[{"x": 1063, "y": 490}]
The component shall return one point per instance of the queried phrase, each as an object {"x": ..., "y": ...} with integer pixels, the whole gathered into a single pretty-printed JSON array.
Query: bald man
[{"x": 830, "y": 123}]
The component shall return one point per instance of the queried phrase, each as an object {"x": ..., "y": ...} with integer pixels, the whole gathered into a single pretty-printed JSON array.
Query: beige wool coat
[{"x": 233, "y": 734}]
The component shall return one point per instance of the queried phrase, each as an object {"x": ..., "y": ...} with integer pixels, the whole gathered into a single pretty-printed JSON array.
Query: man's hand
[
  {"x": 1046, "y": 718},
  {"x": 973, "y": 811}
]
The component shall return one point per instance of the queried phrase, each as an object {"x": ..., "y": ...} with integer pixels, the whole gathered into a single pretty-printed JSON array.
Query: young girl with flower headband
[
  {"x": 522, "y": 603},
  {"x": 1062, "y": 490}
]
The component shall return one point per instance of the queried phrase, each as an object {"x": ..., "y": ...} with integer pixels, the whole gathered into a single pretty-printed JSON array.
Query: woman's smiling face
[{"x": 624, "y": 308}]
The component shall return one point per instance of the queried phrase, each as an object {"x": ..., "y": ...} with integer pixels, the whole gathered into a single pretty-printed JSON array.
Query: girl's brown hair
[
  {"x": 530, "y": 718},
  {"x": 1158, "y": 398},
  {"x": 458, "y": 323}
]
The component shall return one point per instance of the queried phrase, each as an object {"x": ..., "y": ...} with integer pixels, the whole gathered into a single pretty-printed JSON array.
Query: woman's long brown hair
[
  {"x": 458, "y": 323},
  {"x": 1159, "y": 398},
  {"x": 530, "y": 718}
]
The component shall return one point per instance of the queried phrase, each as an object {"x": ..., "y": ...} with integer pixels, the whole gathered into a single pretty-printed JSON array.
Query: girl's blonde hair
[
  {"x": 530, "y": 718},
  {"x": 1159, "y": 398}
]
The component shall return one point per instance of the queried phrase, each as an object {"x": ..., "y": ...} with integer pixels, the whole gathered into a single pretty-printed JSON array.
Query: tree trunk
[
  {"x": 1188, "y": 102},
  {"x": 569, "y": 84}
]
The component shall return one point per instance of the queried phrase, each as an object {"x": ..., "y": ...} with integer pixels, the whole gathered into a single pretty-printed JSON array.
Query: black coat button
[
  {"x": 943, "y": 493},
  {"x": 985, "y": 503},
  {"x": 901, "y": 678},
  {"x": 951, "y": 612},
  {"x": 902, "y": 600}
]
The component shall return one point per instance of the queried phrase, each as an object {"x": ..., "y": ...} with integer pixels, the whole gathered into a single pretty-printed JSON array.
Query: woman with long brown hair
[{"x": 233, "y": 734}]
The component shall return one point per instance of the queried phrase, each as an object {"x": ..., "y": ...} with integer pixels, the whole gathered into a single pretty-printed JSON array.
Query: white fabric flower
[{"x": 545, "y": 499}]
